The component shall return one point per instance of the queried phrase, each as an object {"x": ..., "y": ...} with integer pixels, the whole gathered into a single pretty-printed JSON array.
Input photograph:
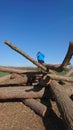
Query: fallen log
[
  {"x": 67, "y": 87},
  {"x": 18, "y": 70},
  {"x": 29, "y": 92},
  {"x": 18, "y": 79},
  {"x": 38, "y": 107},
  {"x": 64, "y": 103},
  {"x": 3, "y": 78},
  {"x": 60, "y": 78},
  {"x": 52, "y": 76},
  {"x": 23, "y": 92},
  {"x": 14, "y": 79}
]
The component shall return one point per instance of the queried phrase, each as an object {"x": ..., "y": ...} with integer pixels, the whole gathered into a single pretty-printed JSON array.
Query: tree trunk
[
  {"x": 14, "y": 79},
  {"x": 17, "y": 79},
  {"x": 3, "y": 78},
  {"x": 60, "y": 78},
  {"x": 67, "y": 87},
  {"x": 52, "y": 66},
  {"x": 25, "y": 55},
  {"x": 23, "y": 92},
  {"x": 38, "y": 107},
  {"x": 19, "y": 70},
  {"x": 64, "y": 103}
]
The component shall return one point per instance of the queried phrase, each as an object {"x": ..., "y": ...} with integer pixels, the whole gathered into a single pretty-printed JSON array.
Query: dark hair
[{"x": 38, "y": 52}]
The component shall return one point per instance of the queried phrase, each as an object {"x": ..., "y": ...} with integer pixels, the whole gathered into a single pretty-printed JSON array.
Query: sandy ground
[{"x": 15, "y": 115}]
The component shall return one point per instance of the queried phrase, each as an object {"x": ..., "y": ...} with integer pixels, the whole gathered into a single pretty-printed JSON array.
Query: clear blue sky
[{"x": 35, "y": 25}]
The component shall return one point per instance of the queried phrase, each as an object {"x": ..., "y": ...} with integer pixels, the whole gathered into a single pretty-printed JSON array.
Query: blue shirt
[{"x": 40, "y": 56}]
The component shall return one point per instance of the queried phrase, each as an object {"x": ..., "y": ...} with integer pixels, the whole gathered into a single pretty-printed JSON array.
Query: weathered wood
[
  {"x": 52, "y": 66},
  {"x": 15, "y": 79},
  {"x": 53, "y": 76},
  {"x": 64, "y": 103},
  {"x": 3, "y": 78},
  {"x": 37, "y": 106},
  {"x": 30, "y": 92},
  {"x": 18, "y": 79},
  {"x": 22, "y": 92},
  {"x": 60, "y": 78},
  {"x": 69, "y": 90},
  {"x": 18, "y": 70},
  {"x": 68, "y": 86}
]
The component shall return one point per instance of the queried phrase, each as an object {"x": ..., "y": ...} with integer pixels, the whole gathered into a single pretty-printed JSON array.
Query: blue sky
[{"x": 35, "y": 25}]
